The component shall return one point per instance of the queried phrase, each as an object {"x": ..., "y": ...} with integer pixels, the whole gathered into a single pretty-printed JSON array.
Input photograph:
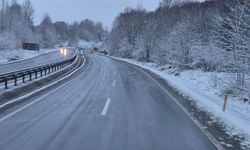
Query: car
[
  {"x": 95, "y": 49},
  {"x": 31, "y": 46},
  {"x": 103, "y": 52},
  {"x": 63, "y": 51}
]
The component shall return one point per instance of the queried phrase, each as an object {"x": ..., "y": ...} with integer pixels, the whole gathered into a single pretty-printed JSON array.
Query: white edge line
[
  {"x": 29, "y": 94},
  {"x": 105, "y": 109},
  {"x": 198, "y": 124},
  {"x": 209, "y": 136}
]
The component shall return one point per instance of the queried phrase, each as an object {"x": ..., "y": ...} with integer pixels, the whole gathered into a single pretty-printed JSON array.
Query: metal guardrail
[{"x": 37, "y": 71}]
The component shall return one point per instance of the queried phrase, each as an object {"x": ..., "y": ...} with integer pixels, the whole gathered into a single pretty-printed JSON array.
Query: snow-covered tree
[
  {"x": 232, "y": 36},
  {"x": 166, "y": 3},
  {"x": 47, "y": 32},
  {"x": 28, "y": 13}
]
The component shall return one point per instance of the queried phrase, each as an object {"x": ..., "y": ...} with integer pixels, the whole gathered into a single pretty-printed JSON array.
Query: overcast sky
[{"x": 98, "y": 10}]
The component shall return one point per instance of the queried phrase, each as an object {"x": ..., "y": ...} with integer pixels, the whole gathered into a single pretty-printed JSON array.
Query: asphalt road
[
  {"x": 37, "y": 61},
  {"x": 109, "y": 105}
]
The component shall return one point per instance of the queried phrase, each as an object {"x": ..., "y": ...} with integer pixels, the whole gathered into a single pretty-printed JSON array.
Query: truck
[{"x": 31, "y": 46}]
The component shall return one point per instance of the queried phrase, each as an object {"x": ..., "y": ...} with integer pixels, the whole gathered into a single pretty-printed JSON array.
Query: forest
[
  {"x": 17, "y": 26},
  {"x": 212, "y": 36}
]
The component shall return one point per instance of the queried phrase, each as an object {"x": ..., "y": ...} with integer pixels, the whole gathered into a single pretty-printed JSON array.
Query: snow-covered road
[
  {"x": 43, "y": 59},
  {"x": 108, "y": 105}
]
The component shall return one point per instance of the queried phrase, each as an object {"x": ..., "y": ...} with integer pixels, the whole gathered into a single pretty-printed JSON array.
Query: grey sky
[{"x": 97, "y": 10}]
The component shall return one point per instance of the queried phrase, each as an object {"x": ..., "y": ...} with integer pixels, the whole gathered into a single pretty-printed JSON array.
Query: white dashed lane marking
[{"x": 106, "y": 107}]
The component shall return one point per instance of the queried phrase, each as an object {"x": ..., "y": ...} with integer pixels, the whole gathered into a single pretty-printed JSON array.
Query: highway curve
[{"x": 108, "y": 105}]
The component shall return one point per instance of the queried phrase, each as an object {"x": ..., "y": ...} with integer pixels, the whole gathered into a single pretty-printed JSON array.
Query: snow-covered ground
[
  {"x": 17, "y": 55},
  {"x": 205, "y": 89}
]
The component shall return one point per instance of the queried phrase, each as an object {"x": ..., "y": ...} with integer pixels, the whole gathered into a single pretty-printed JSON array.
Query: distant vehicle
[
  {"x": 103, "y": 52},
  {"x": 63, "y": 51},
  {"x": 95, "y": 49},
  {"x": 91, "y": 51},
  {"x": 31, "y": 46}
]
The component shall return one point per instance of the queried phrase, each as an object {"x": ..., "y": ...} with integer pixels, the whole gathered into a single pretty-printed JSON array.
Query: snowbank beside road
[
  {"x": 200, "y": 87},
  {"x": 7, "y": 56}
]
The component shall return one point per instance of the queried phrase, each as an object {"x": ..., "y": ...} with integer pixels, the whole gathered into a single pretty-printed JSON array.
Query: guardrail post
[
  {"x": 41, "y": 72},
  {"x": 23, "y": 77},
  {"x": 36, "y": 74},
  {"x": 6, "y": 83},
  {"x": 15, "y": 78},
  {"x": 30, "y": 74},
  {"x": 45, "y": 70}
]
